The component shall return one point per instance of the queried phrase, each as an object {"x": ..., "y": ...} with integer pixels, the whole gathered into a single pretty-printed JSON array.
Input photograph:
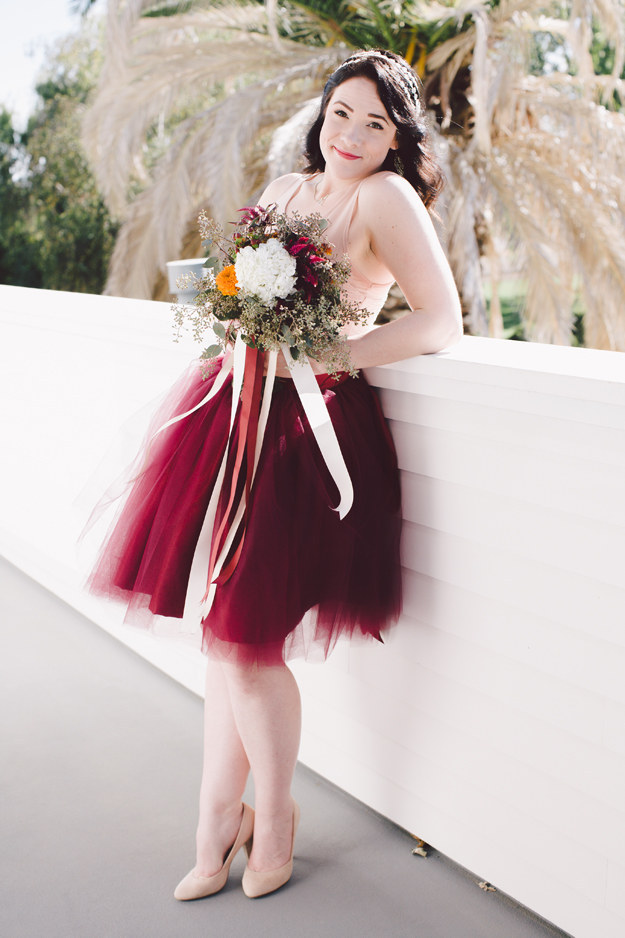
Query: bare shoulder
[
  {"x": 278, "y": 187},
  {"x": 387, "y": 196},
  {"x": 396, "y": 223}
]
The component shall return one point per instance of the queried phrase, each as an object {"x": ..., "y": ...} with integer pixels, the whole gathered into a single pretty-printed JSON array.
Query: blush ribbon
[{"x": 214, "y": 561}]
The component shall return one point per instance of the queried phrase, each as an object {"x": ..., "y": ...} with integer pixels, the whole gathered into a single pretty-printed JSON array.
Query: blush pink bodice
[{"x": 340, "y": 210}]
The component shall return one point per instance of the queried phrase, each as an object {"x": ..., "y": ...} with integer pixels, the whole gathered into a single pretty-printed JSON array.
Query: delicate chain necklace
[{"x": 321, "y": 200}]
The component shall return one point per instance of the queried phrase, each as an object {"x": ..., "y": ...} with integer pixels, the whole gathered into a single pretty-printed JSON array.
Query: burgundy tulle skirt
[{"x": 304, "y": 576}]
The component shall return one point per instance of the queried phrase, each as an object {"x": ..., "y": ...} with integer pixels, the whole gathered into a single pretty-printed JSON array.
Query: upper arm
[
  {"x": 403, "y": 239},
  {"x": 276, "y": 189}
]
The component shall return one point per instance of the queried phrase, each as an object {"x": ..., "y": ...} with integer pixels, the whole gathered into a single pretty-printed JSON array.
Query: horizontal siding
[
  {"x": 492, "y": 721},
  {"x": 507, "y": 523},
  {"x": 578, "y": 603},
  {"x": 545, "y": 479},
  {"x": 558, "y": 400},
  {"x": 451, "y": 744},
  {"x": 466, "y": 799},
  {"x": 495, "y": 686},
  {"x": 578, "y": 375},
  {"x": 561, "y": 432}
]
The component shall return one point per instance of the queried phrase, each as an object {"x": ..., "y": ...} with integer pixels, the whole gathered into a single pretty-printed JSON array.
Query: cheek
[
  {"x": 327, "y": 126},
  {"x": 389, "y": 142}
]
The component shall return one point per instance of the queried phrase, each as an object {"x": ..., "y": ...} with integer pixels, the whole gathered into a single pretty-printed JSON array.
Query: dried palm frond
[
  {"x": 167, "y": 70},
  {"x": 540, "y": 171},
  {"x": 460, "y": 210},
  {"x": 198, "y": 109},
  {"x": 209, "y": 164}
]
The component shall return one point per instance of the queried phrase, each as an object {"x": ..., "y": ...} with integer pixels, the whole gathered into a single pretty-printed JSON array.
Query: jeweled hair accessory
[{"x": 404, "y": 74}]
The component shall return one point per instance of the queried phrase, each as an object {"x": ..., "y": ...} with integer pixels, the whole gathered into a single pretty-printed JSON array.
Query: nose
[{"x": 352, "y": 134}]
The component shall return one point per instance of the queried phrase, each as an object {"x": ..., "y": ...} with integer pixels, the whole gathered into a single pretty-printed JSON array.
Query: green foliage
[
  {"x": 81, "y": 6},
  {"x": 56, "y": 231},
  {"x": 512, "y": 294},
  {"x": 548, "y": 53},
  {"x": 16, "y": 261},
  {"x": 168, "y": 9},
  {"x": 366, "y": 24},
  {"x": 603, "y": 55}
]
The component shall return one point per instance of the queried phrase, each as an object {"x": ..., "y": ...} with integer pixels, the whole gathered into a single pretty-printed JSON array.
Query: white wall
[{"x": 492, "y": 724}]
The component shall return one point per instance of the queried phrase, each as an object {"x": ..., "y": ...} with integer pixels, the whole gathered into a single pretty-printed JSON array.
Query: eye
[
  {"x": 376, "y": 125},
  {"x": 340, "y": 112}
]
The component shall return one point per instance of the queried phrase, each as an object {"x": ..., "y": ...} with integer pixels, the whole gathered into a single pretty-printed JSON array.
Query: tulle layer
[{"x": 304, "y": 577}]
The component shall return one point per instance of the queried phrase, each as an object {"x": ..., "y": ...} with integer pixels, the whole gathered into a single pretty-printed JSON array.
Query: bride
[{"x": 304, "y": 577}]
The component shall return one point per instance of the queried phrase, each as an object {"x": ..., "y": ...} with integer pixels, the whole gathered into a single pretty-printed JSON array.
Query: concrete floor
[{"x": 100, "y": 768}]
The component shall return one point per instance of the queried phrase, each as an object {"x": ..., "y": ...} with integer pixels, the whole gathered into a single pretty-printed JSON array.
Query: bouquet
[
  {"x": 274, "y": 282},
  {"x": 274, "y": 288}
]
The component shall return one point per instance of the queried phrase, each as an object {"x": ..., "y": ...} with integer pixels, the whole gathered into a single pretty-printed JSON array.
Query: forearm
[{"x": 417, "y": 333}]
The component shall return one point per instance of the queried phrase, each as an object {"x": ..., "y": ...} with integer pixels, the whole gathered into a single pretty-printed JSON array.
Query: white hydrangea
[{"x": 267, "y": 271}]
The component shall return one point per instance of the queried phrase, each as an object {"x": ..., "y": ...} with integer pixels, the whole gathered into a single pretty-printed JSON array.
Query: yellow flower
[{"x": 226, "y": 281}]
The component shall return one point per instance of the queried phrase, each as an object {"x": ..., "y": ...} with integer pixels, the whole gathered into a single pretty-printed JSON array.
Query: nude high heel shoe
[
  {"x": 257, "y": 884},
  {"x": 197, "y": 887}
]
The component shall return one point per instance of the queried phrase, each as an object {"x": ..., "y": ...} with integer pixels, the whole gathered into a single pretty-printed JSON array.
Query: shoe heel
[
  {"x": 197, "y": 887},
  {"x": 248, "y": 846}
]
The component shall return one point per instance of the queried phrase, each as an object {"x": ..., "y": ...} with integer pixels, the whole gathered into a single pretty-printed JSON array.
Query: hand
[{"x": 282, "y": 369}]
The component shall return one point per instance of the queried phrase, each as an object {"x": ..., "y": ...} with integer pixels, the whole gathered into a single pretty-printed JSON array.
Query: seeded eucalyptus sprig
[{"x": 277, "y": 249}]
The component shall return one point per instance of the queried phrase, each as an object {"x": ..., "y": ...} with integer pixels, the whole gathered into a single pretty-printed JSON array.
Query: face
[{"x": 357, "y": 133}]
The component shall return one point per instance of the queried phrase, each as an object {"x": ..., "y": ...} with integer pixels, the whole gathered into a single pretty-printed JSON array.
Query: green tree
[
  {"x": 199, "y": 108},
  {"x": 56, "y": 230},
  {"x": 71, "y": 230},
  {"x": 17, "y": 264}
]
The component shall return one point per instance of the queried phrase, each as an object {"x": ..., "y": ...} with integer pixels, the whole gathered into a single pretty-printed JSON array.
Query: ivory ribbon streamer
[
  {"x": 321, "y": 426},
  {"x": 209, "y": 596},
  {"x": 226, "y": 368},
  {"x": 247, "y": 432},
  {"x": 201, "y": 557}
]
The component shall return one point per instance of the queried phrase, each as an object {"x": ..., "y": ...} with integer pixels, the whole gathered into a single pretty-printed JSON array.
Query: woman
[{"x": 370, "y": 174}]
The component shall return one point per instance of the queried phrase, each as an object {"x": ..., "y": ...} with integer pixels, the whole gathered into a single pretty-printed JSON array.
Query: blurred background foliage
[
  {"x": 56, "y": 231},
  {"x": 195, "y": 105}
]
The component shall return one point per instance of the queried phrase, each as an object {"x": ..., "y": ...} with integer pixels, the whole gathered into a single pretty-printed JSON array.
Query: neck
[{"x": 325, "y": 184}]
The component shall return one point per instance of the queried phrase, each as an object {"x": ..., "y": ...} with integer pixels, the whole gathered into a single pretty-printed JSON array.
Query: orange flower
[{"x": 226, "y": 281}]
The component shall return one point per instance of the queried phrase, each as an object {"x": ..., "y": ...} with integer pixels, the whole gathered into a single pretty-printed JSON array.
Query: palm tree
[{"x": 200, "y": 103}]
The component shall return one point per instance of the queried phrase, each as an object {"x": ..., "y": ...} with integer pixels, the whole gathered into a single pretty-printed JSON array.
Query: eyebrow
[{"x": 380, "y": 117}]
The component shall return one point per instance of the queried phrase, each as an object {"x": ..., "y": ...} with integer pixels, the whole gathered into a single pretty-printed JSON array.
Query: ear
[{"x": 395, "y": 144}]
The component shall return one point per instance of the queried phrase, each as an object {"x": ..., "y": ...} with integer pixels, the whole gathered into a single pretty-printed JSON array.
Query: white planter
[{"x": 177, "y": 269}]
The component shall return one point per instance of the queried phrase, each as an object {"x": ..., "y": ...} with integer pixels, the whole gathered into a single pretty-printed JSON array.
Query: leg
[
  {"x": 266, "y": 707},
  {"x": 224, "y": 775}
]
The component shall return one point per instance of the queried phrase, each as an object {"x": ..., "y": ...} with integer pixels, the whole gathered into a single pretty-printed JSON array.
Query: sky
[{"x": 28, "y": 26}]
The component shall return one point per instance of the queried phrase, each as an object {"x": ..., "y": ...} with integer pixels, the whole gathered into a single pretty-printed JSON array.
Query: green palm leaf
[{"x": 201, "y": 103}]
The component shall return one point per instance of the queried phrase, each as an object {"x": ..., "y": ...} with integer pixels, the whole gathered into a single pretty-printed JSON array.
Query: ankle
[
  {"x": 215, "y": 834},
  {"x": 273, "y": 838},
  {"x": 275, "y": 812},
  {"x": 214, "y": 816}
]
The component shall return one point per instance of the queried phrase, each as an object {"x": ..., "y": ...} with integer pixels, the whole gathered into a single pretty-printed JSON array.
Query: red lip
[{"x": 346, "y": 156}]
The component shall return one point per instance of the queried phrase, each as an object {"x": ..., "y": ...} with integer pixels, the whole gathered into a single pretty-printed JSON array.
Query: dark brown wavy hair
[{"x": 400, "y": 92}]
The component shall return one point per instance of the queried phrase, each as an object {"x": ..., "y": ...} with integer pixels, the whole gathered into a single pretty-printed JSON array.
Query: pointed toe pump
[
  {"x": 256, "y": 884},
  {"x": 197, "y": 887}
]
